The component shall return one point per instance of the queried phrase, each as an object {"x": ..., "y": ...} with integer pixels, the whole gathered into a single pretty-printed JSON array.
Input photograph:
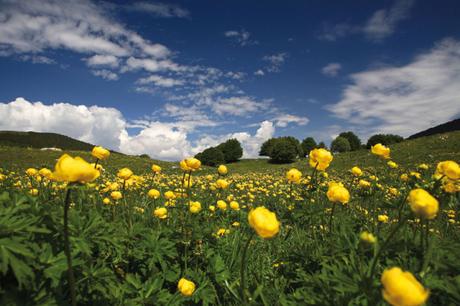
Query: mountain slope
[
  {"x": 450, "y": 126},
  {"x": 42, "y": 140}
]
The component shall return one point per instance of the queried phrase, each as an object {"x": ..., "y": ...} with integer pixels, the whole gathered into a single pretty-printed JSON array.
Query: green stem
[
  {"x": 331, "y": 216},
  {"x": 95, "y": 164},
  {"x": 71, "y": 277},
  {"x": 243, "y": 268}
]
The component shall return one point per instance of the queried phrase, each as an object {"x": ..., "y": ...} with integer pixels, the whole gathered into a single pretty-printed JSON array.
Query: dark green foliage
[
  {"x": 340, "y": 144},
  {"x": 266, "y": 147},
  {"x": 307, "y": 145},
  {"x": 295, "y": 143},
  {"x": 42, "y": 140},
  {"x": 283, "y": 151},
  {"x": 353, "y": 140},
  {"x": 211, "y": 157},
  {"x": 385, "y": 139},
  {"x": 322, "y": 145},
  {"x": 232, "y": 150}
]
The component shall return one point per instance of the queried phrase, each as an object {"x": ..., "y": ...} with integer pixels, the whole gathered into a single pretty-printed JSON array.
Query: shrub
[
  {"x": 231, "y": 149},
  {"x": 307, "y": 145},
  {"x": 211, "y": 157},
  {"x": 266, "y": 147},
  {"x": 340, "y": 144},
  {"x": 385, "y": 139},
  {"x": 283, "y": 151},
  {"x": 354, "y": 141}
]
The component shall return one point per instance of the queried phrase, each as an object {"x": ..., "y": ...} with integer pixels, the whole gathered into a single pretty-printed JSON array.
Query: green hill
[
  {"x": 409, "y": 153},
  {"x": 42, "y": 140}
]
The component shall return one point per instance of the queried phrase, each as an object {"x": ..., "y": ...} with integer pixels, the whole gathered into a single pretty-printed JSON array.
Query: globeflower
[
  {"x": 364, "y": 184},
  {"x": 320, "y": 159},
  {"x": 100, "y": 153},
  {"x": 367, "y": 237},
  {"x": 402, "y": 289},
  {"x": 124, "y": 173},
  {"x": 293, "y": 176},
  {"x": 45, "y": 172},
  {"x": 448, "y": 168},
  {"x": 222, "y": 169},
  {"x": 190, "y": 164},
  {"x": 392, "y": 164},
  {"x": 169, "y": 195},
  {"x": 221, "y": 184},
  {"x": 338, "y": 193},
  {"x": 31, "y": 172},
  {"x": 186, "y": 287},
  {"x": 264, "y": 222},
  {"x": 222, "y": 205},
  {"x": 69, "y": 169},
  {"x": 234, "y": 205},
  {"x": 423, "y": 204},
  {"x": 356, "y": 171},
  {"x": 195, "y": 207},
  {"x": 116, "y": 195},
  {"x": 153, "y": 194},
  {"x": 383, "y": 218},
  {"x": 381, "y": 151},
  {"x": 156, "y": 169},
  {"x": 161, "y": 213}
]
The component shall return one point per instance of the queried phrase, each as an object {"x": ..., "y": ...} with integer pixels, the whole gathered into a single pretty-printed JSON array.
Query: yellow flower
[
  {"x": 423, "y": 166},
  {"x": 423, "y": 204},
  {"x": 156, "y": 169},
  {"x": 106, "y": 201},
  {"x": 264, "y": 222},
  {"x": 31, "y": 172},
  {"x": 451, "y": 186},
  {"x": 415, "y": 174},
  {"x": 367, "y": 237},
  {"x": 169, "y": 195},
  {"x": 364, "y": 184},
  {"x": 234, "y": 205},
  {"x": 124, "y": 173},
  {"x": 383, "y": 218},
  {"x": 236, "y": 224},
  {"x": 448, "y": 168},
  {"x": 100, "y": 153},
  {"x": 404, "y": 177},
  {"x": 392, "y": 164},
  {"x": 186, "y": 287},
  {"x": 212, "y": 208},
  {"x": 161, "y": 213},
  {"x": 116, "y": 195},
  {"x": 320, "y": 159},
  {"x": 34, "y": 192},
  {"x": 338, "y": 193},
  {"x": 190, "y": 164},
  {"x": 222, "y": 205},
  {"x": 356, "y": 171},
  {"x": 222, "y": 170},
  {"x": 222, "y": 231},
  {"x": 153, "y": 194},
  {"x": 69, "y": 169},
  {"x": 380, "y": 150},
  {"x": 293, "y": 175},
  {"x": 402, "y": 289},
  {"x": 222, "y": 184},
  {"x": 195, "y": 207}
]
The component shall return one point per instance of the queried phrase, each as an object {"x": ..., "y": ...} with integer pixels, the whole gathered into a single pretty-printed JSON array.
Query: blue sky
[{"x": 172, "y": 78}]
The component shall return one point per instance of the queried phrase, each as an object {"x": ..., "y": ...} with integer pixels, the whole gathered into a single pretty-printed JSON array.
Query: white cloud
[
  {"x": 259, "y": 72},
  {"x": 405, "y": 99},
  {"x": 37, "y": 59},
  {"x": 284, "y": 119},
  {"x": 159, "y": 9},
  {"x": 151, "y": 65},
  {"x": 383, "y": 22},
  {"x": 105, "y": 74},
  {"x": 97, "y": 125},
  {"x": 159, "y": 80},
  {"x": 380, "y": 25},
  {"x": 331, "y": 69},
  {"x": 275, "y": 61},
  {"x": 237, "y": 106},
  {"x": 241, "y": 37},
  {"x": 102, "y": 60}
]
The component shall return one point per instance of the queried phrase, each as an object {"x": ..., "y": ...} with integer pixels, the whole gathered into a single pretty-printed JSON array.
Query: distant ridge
[
  {"x": 42, "y": 140},
  {"x": 450, "y": 126}
]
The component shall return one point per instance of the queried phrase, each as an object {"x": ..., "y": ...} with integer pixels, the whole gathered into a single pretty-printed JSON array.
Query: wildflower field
[{"x": 373, "y": 227}]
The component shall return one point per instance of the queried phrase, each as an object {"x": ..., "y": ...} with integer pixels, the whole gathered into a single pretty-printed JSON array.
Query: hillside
[
  {"x": 409, "y": 153},
  {"x": 42, "y": 140},
  {"x": 450, "y": 126}
]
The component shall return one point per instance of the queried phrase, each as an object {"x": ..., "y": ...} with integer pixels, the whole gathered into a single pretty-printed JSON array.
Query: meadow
[{"x": 372, "y": 227}]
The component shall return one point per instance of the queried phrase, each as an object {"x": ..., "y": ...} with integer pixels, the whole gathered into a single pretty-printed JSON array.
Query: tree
[
  {"x": 353, "y": 140},
  {"x": 231, "y": 149},
  {"x": 266, "y": 147},
  {"x": 340, "y": 144},
  {"x": 283, "y": 151},
  {"x": 322, "y": 145},
  {"x": 307, "y": 145},
  {"x": 295, "y": 143},
  {"x": 211, "y": 157},
  {"x": 385, "y": 139}
]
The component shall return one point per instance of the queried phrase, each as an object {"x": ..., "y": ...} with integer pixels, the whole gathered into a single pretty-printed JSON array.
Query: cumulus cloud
[
  {"x": 284, "y": 119},
  {"x": 241, "y": 37},
  {"x": 159, "y": 80},
  {"x": 331, "y": 69},
  {"x": 259, "y": 72},
  {"x": 408, "y": 98},
  {"x": 237, "y": 106},
  {"x": 379, "y": 26},
  {"x": 102, "y": 60},
  {"x": 105, "y": 74},
  {"x": 37, "y": 59}
]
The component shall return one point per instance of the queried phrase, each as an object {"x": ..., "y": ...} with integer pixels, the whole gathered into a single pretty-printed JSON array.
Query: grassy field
[{"x": 409, "y": 153}]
